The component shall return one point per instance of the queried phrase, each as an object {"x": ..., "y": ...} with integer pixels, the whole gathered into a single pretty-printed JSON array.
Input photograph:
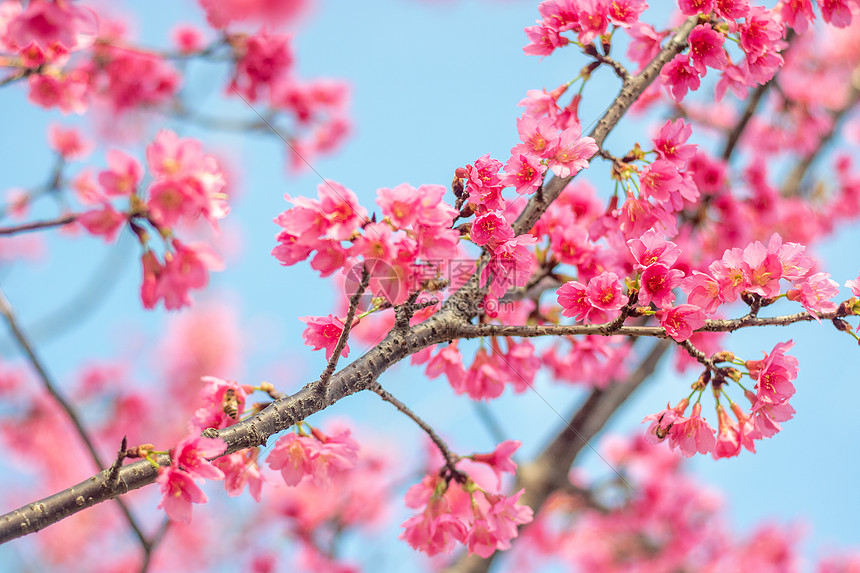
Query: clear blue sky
[{"x": 435, "y": 85}]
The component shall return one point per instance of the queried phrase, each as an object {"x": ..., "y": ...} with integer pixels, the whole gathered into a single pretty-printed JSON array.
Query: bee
[{"x": 231, "y": 403}]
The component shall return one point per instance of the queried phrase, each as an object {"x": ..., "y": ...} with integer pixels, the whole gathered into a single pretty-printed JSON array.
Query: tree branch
[
  {"x": 469, "y": 331},
  {"x": 450, "y": 458},
  {"x": 792, "y": 185},
  {"x": 51, "y": 388},
  {"x": 361, "y": 373},
  {"x": 38, "y": 225}
]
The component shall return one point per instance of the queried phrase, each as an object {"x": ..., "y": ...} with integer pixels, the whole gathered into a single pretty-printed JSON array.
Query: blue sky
[{"x": 435, "y": 86}]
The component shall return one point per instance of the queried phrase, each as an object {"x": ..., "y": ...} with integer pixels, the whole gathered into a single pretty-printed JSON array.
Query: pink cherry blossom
[
  {"x": 766, "y": 416},
  {"x": 661, "y": 422},
  {"x": 293, "y": 457},
  {"x": 605, "y": 292},
  {"x": 342, "y": 210},
  {"x": 653, "y": 248},
  {"x": 693, "y": 434},
  {"x": 191, "y": 453},
  {"x": 186, "y": 268},
  {"x": 795, "y": 263},
  {"x": 324, "y": 332},
  {"x": 732, "y": 10},
  {"x": 797, "y": 14},
  {"x": 539, "y": 136},
  {"x": 728, "y": 443},
  {"x": 68, "y": 142},
  {"x": 132, "y": 79},
  {"x": 435, "y": 529},
  {"x": 220, "y": 13},
  {"x": 524, "y": 173},
  {"x": 644, "y": 43},
  {"x": 241, "y": 469},
  {"x": 854, "y": 285},
  {"x": 500, "y": 459},
  {"x": 543, "y": 40},
  {"x": 68, "y": 92},
  {"x": 656, "y": 284},
  {"x": 187, "y": 38},
  {"x": 659, "y": 179},
  {"x": 679, "y": 76},
  {"x": 693, "y": 7},
  {"x": 774, "y": 373},
  {"x": 671, "y": 142},
  {"x": 625, "y": 13},
  {"x": 485, "y": 378},
  {"x": 681, "y": 321},
  {"x": 836, "y": 12},
  {"x": 179, "y": 492},
  {"x": 55, "y": 28},
  {"x": 105, "y": 222},
  {"x": 400, "y": 204},
  {"x": 490, "y": 229},
  {"x": 574, "y": 300},
  {"x": 510, "y": 265},
  {"x": 814, "y": 294},
  {"x": 572, "y": 152},
  {"x": 703, "y": 291},
  {"x": 760, "y": 32},
  {"x": 123, "y": 174},
  {"x": 706, "y": 49},
  {"x": 762, "y": 270},
  {"x": 447, "y": 361},
  {"x": 263, "y": 59}
]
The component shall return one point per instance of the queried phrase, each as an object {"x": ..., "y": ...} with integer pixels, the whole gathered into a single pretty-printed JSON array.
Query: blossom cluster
[
  {"x": 458, "y": 510},
  {"x": 655, "y": 527},
  {"x": 186, "y": 184},
  {"x": 188, "y": 462}
]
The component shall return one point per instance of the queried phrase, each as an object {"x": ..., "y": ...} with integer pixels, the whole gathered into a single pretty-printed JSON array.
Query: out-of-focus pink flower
[
  {"x": 123, "y": 174},
  {"x": 105, "y": 222},
  {"x": 187, "y": 38},
  {"x": 68, "y": 142}
]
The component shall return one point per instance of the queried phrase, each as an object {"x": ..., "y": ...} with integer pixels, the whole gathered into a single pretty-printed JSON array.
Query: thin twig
[
  {"x": 344, "y": 335},
  {"x": 156, "y": 539},
  {"x": 451, "y": 459},
  {"x": 48, "y": 384},
  {"x": 38, "y": 225},
  {"x": 606, "y": 329},
  {"x": 120, "y": 456}
]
